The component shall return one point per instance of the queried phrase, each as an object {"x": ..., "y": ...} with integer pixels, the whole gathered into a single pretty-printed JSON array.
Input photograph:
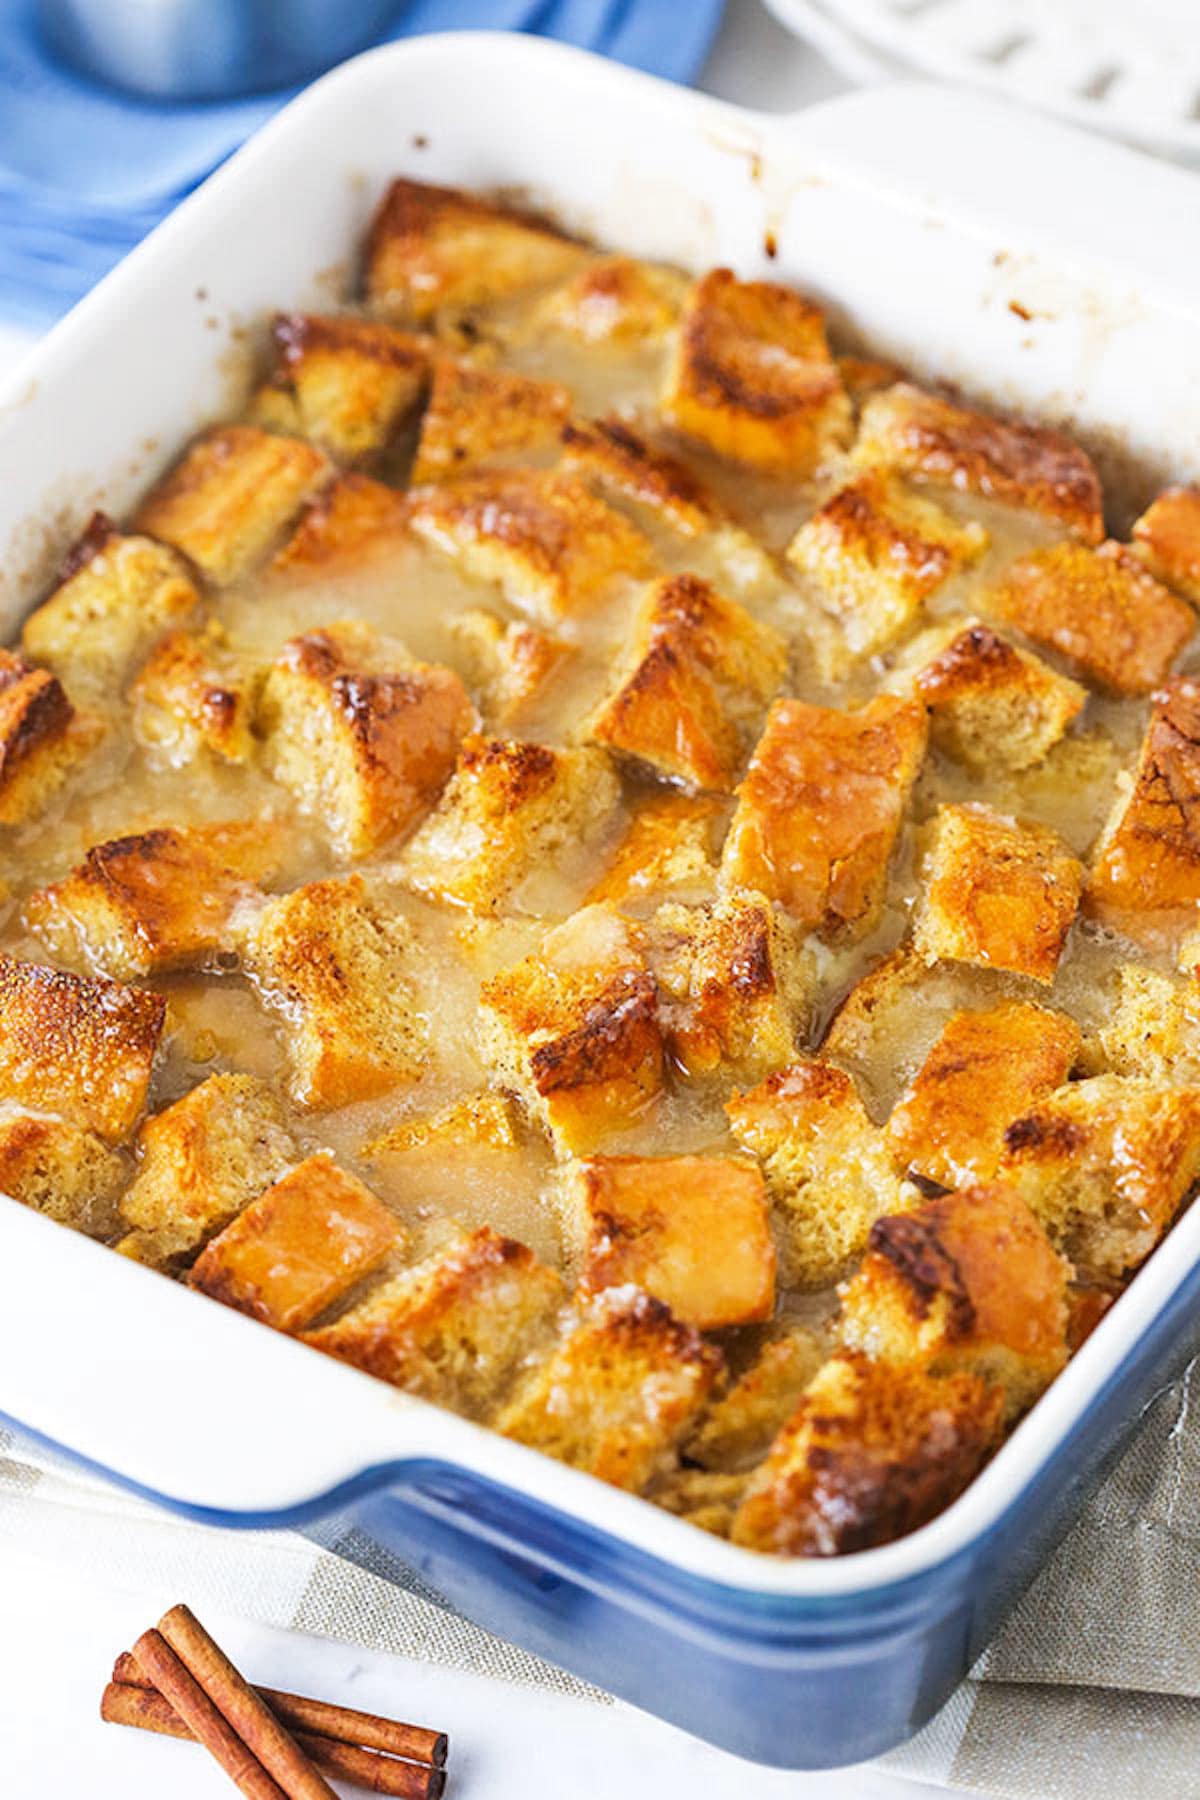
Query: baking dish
[{"x": 945, "y": 233}]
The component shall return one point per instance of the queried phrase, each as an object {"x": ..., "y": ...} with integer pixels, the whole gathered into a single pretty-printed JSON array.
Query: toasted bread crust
[
  {"x": 192, "y": 695},
  {"x": 508, "y": 665},
  {"x": 62, "y": 1170},
  {"x": 667, "y": 846},
  {"x": 479, "y": 416},
  {"x": 934, "y": 440},
  {"x": 821, "y": 807},
  {"x": 1100, "y": 609},
  {"x": 615, "y": 300},
  {"x": 1167, "y": 537},
  {"x": 1145, "y": 878},
  {"x": 352, "y": 382},
  {"x": 352, "y": 523}
]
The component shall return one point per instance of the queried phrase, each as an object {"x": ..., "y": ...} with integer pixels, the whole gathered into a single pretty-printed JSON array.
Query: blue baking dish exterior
[{"x": 800, "y": 1682}]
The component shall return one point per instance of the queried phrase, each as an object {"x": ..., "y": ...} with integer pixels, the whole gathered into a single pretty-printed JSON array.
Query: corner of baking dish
[{"x": 152, "y": 1385}]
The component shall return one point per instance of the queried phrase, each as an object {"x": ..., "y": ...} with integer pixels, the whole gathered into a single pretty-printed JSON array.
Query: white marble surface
[{"x": 509, "y": 1743}]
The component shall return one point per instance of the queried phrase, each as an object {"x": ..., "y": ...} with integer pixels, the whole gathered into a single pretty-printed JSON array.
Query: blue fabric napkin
[{"x": 86, "y": 170}]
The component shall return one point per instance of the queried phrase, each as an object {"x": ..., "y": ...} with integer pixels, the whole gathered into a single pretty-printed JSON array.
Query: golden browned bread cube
[
  {"x": 483, "y": 1121},
  {"x": 1150, "y": 1026},
  {"x": 431, "y": 249},
  {"x": 457, "y": 1327},
  {"x": 352, "y": 381},
  {"x": 874, "y": 553},
  {"x": 751, "y": 377},
  {"x": 1167, "y": 537},
  {"x": 690, "y": 693},
  {"x": 872, "y": 1451},
  {"x": 691, "y": 1230},
  {"x": 353, "y": 524},
  {"x": 574, "y": 1028},
  {"x": 1100, "y": 609},
  {"x": 1145, "y": 877},
  {"x": 967, "y": 1282},
  {"x": 78, "y": 1046},
  {"x": 932, "y": 440},
  {"x": 619, "y": 1393},
  {"x": 299, "y": 1247},
  {"x": 706, "y": 1498},
  {"x": 507, "y": 665},
  {"x": 60, "y": 1169},
  {"x": 615, "y": 300},
  {"x": 991, "y": 704},
  {"x": 826, "y": 1165},
  {"x": 667, "y": 847},
  {"x": 42, "y": 738},
  {"x": 362, "y": 736},
  {"x": 986, "y": 1069},
  {"x": 509, "y": 809},
  {"x": 338, "y": 970},
  {"x": 200, "y": 1162},
  {"x": 155, "y": 901},
  {"x": 741, "y": 1424},
  {"x": 232, "y": 494},
  {"x": 115, "y": 596},
  {"x": 735, "y": 983},
  {"x": 194, "y": 694},
  {"x": 998, "y": 892},
  {"x": 481, "y": 416},
  {"x": 1105, "y": 1164},
  {"x": 543, "y": 538},
  {"x": 821, "y": 807}
]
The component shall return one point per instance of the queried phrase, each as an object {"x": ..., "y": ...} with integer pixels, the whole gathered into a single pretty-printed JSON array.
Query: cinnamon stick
[
  {"x": 144, "y": 1708},
  {"x": 343, "y": 1724},
  {"x": 197, "y": 1711},
  {"x": 249, "y": 1716}
]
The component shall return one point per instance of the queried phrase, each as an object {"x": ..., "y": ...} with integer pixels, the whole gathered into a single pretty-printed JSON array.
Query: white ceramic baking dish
[{"x": 1039, "y": 268}]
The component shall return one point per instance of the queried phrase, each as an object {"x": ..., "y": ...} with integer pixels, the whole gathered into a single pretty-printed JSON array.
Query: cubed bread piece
[
  {"x": 986, "y": 1069},
  {"x": 1105, "y": 1164},
  {"x": 574, "y": 1028},
  {"x": 751, "y": 377},
  {"x": 1100, "y": 609},
  {"x": 60, "y": 1169},
  {"x": 543, "y": 538},
  {"x": 827, "y": 1168},
  {"x": 78, "y": 1046},
  {"x": 42, "y": 738},
  {"x": 509, "y": 809},
  {"x": 619, "y": 1393},
  {"x": 693, "y": 1231},
  {"x": 299, "y": 1247},
  {"x": 338, "y": 971},
  {"x": 706, "y": 1498},
  {"x": 690, "y": 694},
  {"x": 194, "y": 694},
  {"x": 457, "y": 1327},
  {"x": 1145, "y": 876},
  {"x": 821, "y": 807},
  {"x": 741, "y": 1424},
  {"x": 933, "y": 440},
  {"x": 735, "y": 985},
  {"x": 615, "y": 300},
  {"x": 998, "y": 892},
  {"x": 115, "y": 596},
  {"x": 507, "y": 664},
  {"x": 200, "y": 1162},
  {"x": 232, "y": 494},
  {"x": 667, "y": 847},
  {"x": 478, "y": 416},
  {"x": 875, "y": 553},
  {"x": 362, "y": 736},
  {"x": 155, "y": 901},
  {"x": 1167, "y": 537},
  {"x": 872, "y": 1452},
  {"x": 967, "y": 1282},
  {"x": 353, "y": 381},
  {"x": 483, "y": 1121},
  {"x": 353, "y": 524},
  {"x": 1150, "y": 1026},
  {"x": 991, "y": 704},
  {"x": 433, "y": 249},
  {"x": 863, "y": 376}
]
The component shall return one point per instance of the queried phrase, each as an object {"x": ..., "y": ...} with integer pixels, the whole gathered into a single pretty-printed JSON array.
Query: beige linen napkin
[{"x": 1092, "y": 1686}]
